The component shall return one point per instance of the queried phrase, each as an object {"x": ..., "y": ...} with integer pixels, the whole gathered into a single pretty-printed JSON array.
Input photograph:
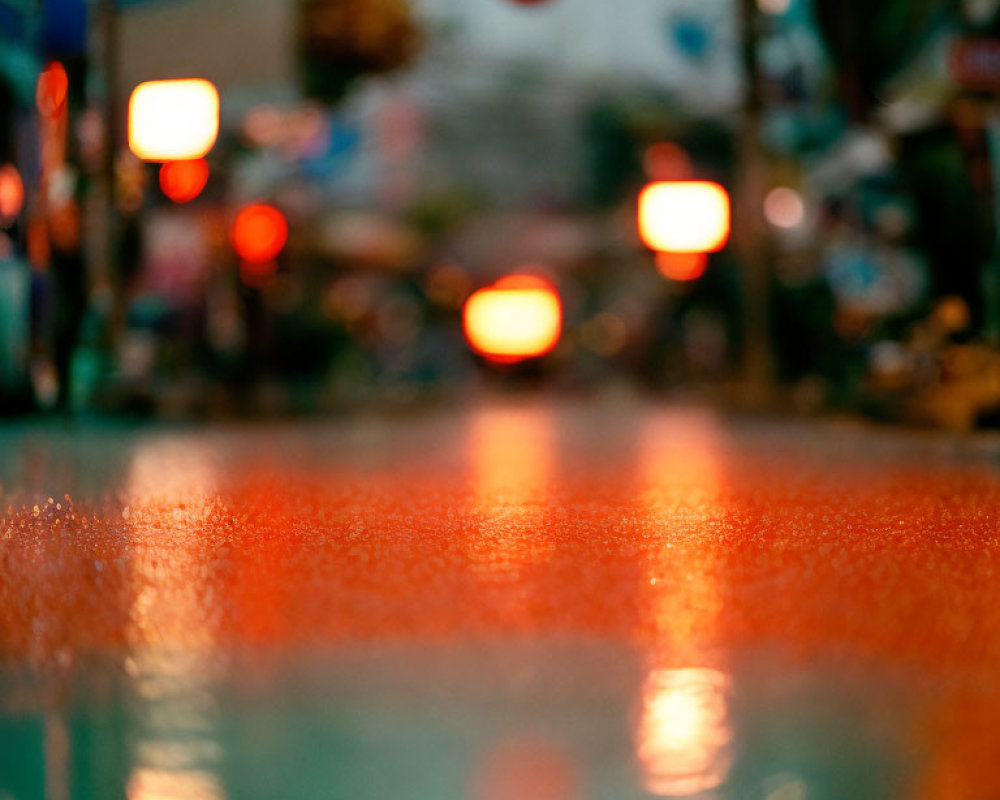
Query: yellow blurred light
[
  {"x": 684, "y": 216},
  {"x": 784, "y": 207},
  {"x": 173, "y": 120},
  {"x": 518, "y": 317}
]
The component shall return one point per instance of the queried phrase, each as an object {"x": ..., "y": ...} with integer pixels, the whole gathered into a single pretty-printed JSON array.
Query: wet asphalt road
[{"x": 521, "y": 601}]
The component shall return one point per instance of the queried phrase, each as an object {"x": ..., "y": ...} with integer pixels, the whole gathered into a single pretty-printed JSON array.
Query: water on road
[{"x": 523, "y": 601}]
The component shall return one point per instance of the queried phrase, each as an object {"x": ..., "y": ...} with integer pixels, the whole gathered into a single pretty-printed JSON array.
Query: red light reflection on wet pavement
[{"x": 687, "y": 538}]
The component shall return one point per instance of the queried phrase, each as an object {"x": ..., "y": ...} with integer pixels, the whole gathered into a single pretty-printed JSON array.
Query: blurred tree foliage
[
  {"x": 869, "y": 40},
  {"x": 342, "y": 40},
  {"x": 613, "y": 154}
]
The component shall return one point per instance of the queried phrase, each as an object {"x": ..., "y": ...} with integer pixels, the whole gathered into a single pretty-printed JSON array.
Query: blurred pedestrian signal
[
  {"x": 182, "y": 181},
  {"x": 173, "y": 120},
  {"x": 516, "y": 318},
  {"x": 684, "y": 216},
  {"x": 259, "y": 233}
]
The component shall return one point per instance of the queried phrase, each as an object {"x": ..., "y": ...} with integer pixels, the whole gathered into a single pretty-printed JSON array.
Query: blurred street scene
[
  {"x": 305, "y": 231},
  {"x": 373, "y": 392}
]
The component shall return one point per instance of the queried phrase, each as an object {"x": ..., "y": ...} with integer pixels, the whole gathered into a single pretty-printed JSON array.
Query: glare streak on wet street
[{"x": 523, "y": 601}]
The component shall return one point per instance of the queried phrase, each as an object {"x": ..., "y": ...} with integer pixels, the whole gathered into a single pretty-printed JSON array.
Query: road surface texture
[{"x": 520, "y": 601}]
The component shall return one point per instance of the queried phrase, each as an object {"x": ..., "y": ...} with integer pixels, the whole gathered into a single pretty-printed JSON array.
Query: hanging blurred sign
[
  {"x": 173, "y": 120},
  {"x": 690, "y": 36},
  {"x": 975, "y": 63},
  {"x": 684, "y": 216}
]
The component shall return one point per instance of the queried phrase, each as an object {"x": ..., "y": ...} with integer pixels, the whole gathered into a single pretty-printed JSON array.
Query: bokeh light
[
  {"x": 518, "y": 317},
  {"x": 681, "y": 266},
  {"x": 173, "y": 120},
  {"x": 259, "y": 233},
  {"x": 51, "y": 89},
  {"x": 784, "y": 207},
  {"x": 183, "y": 181},
  {"x": 684, "y": 216},
  {"x": 952, "y": 314},
  {"x": 11, "y": 192}
]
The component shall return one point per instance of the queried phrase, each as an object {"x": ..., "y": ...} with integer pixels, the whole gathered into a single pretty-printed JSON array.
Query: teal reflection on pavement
[{"x": 531, "y": 721}]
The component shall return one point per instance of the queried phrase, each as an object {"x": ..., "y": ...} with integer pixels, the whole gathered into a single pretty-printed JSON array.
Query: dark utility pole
[
  {"x": 106, "y": 60},
  {"x": 750, "y": 227}
]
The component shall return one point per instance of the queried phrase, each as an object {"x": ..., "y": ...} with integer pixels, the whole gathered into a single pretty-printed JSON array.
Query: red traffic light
[
  {"x": 259, "y": 233},
  {"x": 182, "y": 181}
]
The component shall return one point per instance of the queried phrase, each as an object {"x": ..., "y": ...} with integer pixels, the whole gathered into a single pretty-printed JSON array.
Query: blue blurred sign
[
  {"x": 340, "y": 149},
  {"x": 64, "y": 27},
  {"x": 690, "y": 35}
]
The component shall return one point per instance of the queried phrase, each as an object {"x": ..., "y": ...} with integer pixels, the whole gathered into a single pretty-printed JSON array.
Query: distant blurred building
[
  {"x": 495, "y": 96},
  {"x": 245, "y": 47},
  {"x": 685, "y": 47}
]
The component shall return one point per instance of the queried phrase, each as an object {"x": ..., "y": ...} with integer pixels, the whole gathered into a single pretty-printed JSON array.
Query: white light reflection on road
[
  {"x": 173, "y": 662},
  {"x": 683, "y": 737}
]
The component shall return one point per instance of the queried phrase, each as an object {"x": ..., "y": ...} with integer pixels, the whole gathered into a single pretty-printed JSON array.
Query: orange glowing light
[
  {"x": 182, "y": 181},
  {"x": 681, "y": 266},
  {"x": 51, "y": 89},
  {"x": 259, "y": 233},
  {"x": 684, "y": 216},
  {"x": 518, "y": 317},
  {"x": 173, "y": 120},
  {"x": 11, "y": 191}
]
